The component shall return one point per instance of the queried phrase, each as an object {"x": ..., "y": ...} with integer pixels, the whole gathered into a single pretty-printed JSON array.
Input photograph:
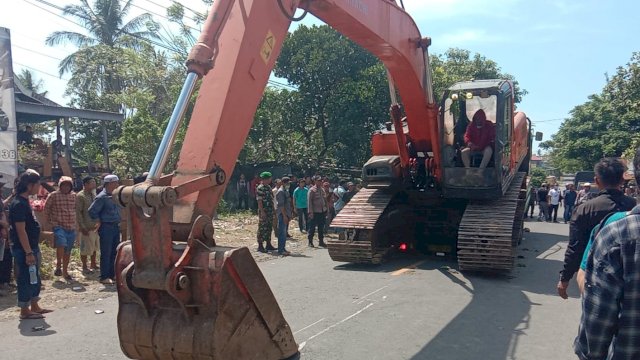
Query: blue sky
[{"x": 558, "y": 50}]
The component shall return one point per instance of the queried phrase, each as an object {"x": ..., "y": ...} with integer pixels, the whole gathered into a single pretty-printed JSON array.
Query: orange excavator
[{"x": 183, "y": 296}]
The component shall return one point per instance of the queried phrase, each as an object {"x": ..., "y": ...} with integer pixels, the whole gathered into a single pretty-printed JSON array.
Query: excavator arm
[
  {"x": 251, "y": 34},
  {"x": 181, "y": 295}
]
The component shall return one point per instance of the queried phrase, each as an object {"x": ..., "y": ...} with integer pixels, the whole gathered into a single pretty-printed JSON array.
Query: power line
[
  {"x": 178, "y": 3},
  {"x": 162, "y": 16},
  {"x": 15, "y": 34},
  {"x": 197, "y": 13},
  {"x": 75, "y": 23},
  {"x": 35, "y": 52},
  {"x": 40, "y": 71},
  {"x": 51, "y": 12}
]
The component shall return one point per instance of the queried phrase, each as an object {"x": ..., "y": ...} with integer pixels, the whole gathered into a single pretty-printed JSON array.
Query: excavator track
[
  {"x": 490, "y": 230},
  {"x": 358, "y": 242}
]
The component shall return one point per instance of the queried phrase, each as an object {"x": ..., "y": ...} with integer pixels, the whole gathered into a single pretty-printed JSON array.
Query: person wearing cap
[
  {"x": 479, "y": 137},
  {"x": 317, "y": 208},
  {"x": 264, "y": 197},
  {"x": 89, "y": 240},
  {"x": 105, "y": 210},
  {"x": 60, "y": 211},
  {"x": 584, "y": 194}
]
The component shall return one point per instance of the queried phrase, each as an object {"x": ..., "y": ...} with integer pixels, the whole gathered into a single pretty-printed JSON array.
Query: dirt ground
[{"x": 233, "y": 230}]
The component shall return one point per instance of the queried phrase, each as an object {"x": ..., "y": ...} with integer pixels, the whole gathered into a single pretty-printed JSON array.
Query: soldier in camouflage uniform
[{"x": 266, "y": 212}]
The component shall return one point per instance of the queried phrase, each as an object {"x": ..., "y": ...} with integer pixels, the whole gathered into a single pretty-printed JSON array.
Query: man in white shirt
[{"x": 554, "y": 202}]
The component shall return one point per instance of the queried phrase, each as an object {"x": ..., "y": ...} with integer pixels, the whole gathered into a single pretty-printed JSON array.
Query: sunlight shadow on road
[
  {"x": 36, "y": 327},
  {"x": 490, "y": 326}
]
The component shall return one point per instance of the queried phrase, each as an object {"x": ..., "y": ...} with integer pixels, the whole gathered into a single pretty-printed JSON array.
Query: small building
[
  {"x": 537, "y": 161},
  {"x": 20, "y": 108}
]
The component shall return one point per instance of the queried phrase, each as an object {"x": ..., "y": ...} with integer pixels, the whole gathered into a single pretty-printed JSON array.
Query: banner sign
[{"x": 8, "y": 128}]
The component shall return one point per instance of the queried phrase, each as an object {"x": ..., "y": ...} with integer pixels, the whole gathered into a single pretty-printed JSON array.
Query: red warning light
[{"x": 403, "y": 247}]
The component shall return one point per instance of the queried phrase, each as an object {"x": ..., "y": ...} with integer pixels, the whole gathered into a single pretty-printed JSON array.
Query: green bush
[{"x": 538, "y": 177}]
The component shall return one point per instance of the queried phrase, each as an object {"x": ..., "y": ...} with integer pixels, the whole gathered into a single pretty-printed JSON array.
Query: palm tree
[
  {"x": 105, "y": 25},
  {"x": 27, "y": 79}
]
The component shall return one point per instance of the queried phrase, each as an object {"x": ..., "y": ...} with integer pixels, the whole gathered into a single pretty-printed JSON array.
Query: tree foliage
[
  {"x": 460, "y": 65},
  {"x": 606, "y": 125},
  {"x": 538, "y": 176},
  {"x": 340, "y": 96},
  {"x": 29, "y": 80},
  {"x": 105, "y": 25},
  {"x": 116, "y": 68},
  {"x": 336, "y": 98}
]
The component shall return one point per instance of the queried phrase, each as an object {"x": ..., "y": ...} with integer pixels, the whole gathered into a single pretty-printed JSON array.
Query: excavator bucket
[
  {"x": 192, "y": 299},
  {"x": 240, "y": 320}
]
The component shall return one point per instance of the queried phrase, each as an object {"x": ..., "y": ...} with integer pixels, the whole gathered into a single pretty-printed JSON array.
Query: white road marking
[
  {"x": 306, "y": 327},
  {"x": 339, "y": 322},
  {"x": 369, "y": 294}
]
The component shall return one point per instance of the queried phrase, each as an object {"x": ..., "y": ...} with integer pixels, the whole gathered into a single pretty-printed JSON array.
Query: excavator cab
[{"x": 460, "y": 103}]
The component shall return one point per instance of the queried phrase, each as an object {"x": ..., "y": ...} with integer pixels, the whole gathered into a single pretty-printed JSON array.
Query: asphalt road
[{"x": 410, "y": 308}]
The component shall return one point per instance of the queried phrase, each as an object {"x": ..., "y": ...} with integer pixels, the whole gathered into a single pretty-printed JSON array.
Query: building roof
[
  {"x": 536, "y": 158},
  {"x": 35, "y": 108}
]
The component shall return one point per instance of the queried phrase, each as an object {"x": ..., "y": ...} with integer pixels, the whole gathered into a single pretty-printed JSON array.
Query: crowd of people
[
  {"x": 604, "y": 254},
  {"x": 90, "y": 216},
  {"x": 549, "y": 199},
  {"x": 314, "y": 201},
  {"x": 603, "y": 251}
]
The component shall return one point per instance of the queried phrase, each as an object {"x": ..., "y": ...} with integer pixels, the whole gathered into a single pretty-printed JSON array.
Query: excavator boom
[
  {"x": 181, "y": 295},
  {"x": 245, "y": 54}
]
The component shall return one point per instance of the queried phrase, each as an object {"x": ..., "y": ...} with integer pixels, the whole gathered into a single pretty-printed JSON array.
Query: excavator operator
[{"x": 479, "y": 138}]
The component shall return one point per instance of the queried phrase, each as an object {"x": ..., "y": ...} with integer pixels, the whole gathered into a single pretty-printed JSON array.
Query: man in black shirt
[
  {"x": 609, "y": 178},
  {"x": 570, "y": 196},
  {"x": 543, "y": 194}
]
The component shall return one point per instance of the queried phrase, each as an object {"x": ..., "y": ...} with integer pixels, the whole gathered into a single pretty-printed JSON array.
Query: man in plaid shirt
[
  {"x": 60, "y": 210},
  {"x": 610, "y": 324}
]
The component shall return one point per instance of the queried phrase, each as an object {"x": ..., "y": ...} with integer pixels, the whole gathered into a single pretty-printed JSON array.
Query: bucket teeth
[{"x": 232, "y": 313}]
